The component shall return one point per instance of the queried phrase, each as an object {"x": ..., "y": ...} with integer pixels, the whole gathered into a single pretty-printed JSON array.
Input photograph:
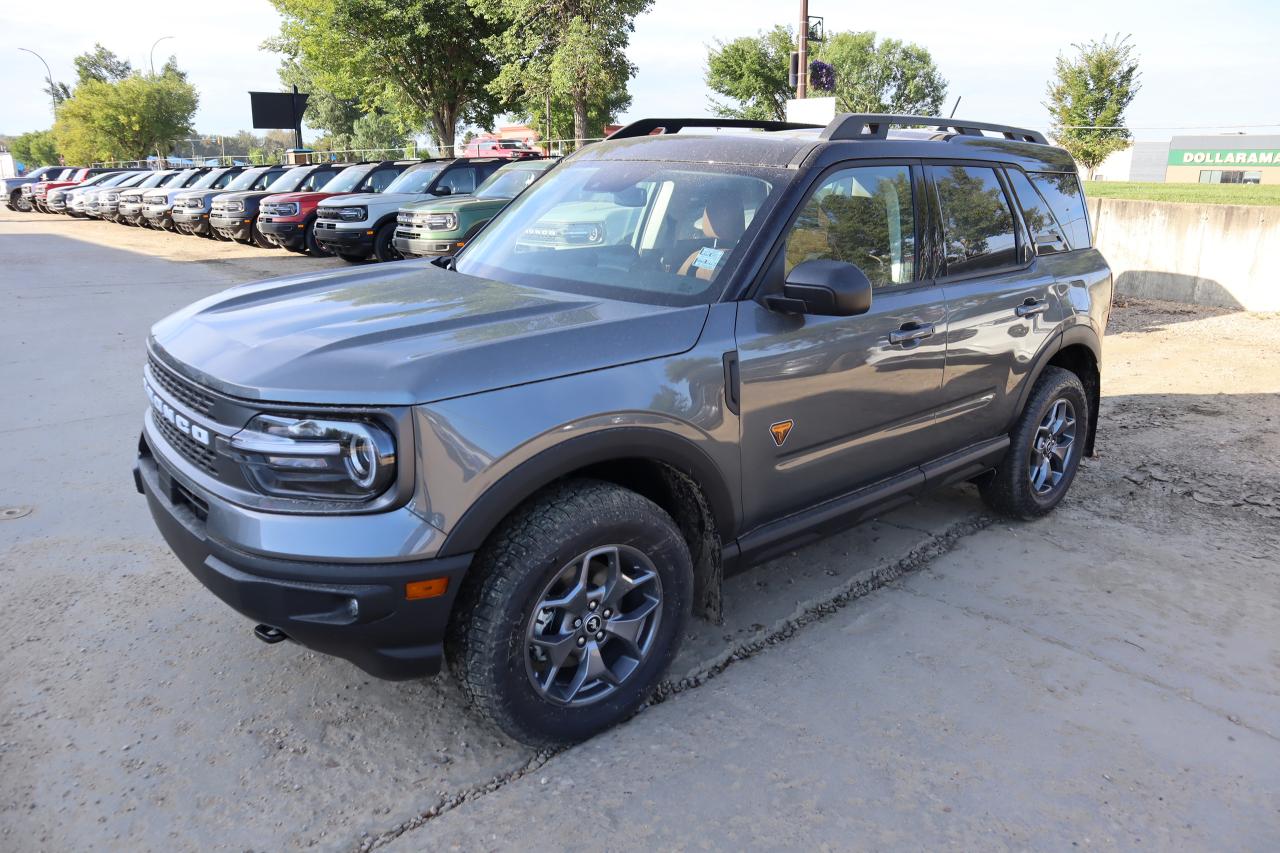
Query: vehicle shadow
[{"x": 1175, "y": 287}]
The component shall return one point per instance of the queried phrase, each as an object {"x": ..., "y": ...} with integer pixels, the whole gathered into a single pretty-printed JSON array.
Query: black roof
[{"x": 851, "y": 135}]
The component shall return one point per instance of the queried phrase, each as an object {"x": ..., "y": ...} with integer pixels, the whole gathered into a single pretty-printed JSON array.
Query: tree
[
  {"x": 574, "y": 50},
  {"x": 601, "y": 112},
  {"x": 752, "y": 71},
  {"x": 101, "y": 65},
  {"x": 36, "y": 148},
  {"x": 420, "y": 61},
  {"x": 126, "y": 119},
  {"x": 889, "y": 77},
  {"x": 1088, "y": 97}
]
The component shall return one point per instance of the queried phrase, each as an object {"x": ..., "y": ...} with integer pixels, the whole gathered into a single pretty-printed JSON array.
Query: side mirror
[
  {"x": 831, "y": 288},
  {"x": 442, "y": 191}
]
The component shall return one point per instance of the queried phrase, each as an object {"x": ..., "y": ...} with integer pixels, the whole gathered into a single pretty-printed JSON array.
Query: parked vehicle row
[{"x": 379, "y": 210}]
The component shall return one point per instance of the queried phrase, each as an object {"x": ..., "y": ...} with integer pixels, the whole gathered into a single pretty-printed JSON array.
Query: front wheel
[
  {"x": 384, "y": 248},
  {"x": 572, "y": 612},
  {"x": 312, "y": 246},
  {"x": 20, "y": 202},
  {"x": 1044, "y": 448}
]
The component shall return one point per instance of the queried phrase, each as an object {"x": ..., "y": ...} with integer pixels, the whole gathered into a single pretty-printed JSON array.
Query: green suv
[{"x": 437, "y": 227}]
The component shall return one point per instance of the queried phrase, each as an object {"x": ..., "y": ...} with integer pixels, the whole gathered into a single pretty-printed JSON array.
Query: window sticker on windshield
[{"x": 708, "y": 259}]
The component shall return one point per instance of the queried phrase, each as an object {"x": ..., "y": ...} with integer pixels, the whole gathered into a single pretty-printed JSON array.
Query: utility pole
[
  {"x": 53, "y": 96},
  {"x": 802, "y": 77}
]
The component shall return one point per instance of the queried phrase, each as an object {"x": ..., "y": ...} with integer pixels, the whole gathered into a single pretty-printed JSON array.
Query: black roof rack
[
  {"x": 876, "y": 126},
  {"x": 646, "y": 126}
]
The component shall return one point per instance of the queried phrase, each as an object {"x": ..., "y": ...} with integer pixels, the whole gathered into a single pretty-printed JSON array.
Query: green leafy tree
[
  {"x": 1088, "y": 97},
  {"x": 889, "y": 76},
  {"x": 752, "y": 72},
  {"x": 420, "y": 61},
  {"x": 126, "y": 119},
  {"x": 600, "y": 113},
  {"x": 37, "y": 148},
  {"x": 101, "y": 65},
  {"x": 574, "y": 50}
]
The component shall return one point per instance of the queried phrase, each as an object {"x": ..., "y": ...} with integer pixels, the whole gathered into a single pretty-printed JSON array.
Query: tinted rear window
[
  {"x": 978, "y": 231},
  {"x": 1062, "y": 191}
]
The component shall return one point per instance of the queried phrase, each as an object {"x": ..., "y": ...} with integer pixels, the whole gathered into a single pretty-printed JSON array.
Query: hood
[
  {"x": 379, "y": 198},
  {"x": 406, "y": 333},
  {"x": 456, "y": 204},
  {"x": 245, "y": 195},
  {"x": 313, "y": 197},
  {"x": 205, "y": 194}
]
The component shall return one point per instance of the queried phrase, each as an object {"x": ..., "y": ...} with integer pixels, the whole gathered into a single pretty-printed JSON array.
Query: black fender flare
[
  {"x": 610, "y": 445},
  {"x": 1078, "y": 334}
]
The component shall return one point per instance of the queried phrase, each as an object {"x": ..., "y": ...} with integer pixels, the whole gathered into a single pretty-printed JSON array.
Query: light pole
[
  {"x": 153, "y": 52},
  {"x": 53, "y": 98}
]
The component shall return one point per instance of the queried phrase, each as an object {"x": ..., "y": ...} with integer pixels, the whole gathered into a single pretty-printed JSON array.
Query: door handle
[
  {"x": 1031, "y": 307},
  {"x": 911, "y": 332}
]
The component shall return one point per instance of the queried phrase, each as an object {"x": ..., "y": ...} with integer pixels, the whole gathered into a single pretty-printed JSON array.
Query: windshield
[
  {"x": 348, "y": 179},
  {"x": 208, "y": 179},
  {"x": 117, "y": 180},
  {"x": 416, "y": 179},
  {"x": 507, "y": 183},
  {"x": 183, "y": 178},
  {"x": 657, "y": 232},
  {"x": 290, "y": 180},
  {"x": 245, "y": 179}
]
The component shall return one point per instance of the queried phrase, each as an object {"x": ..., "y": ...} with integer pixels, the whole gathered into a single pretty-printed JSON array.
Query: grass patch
[{"x": 1191, "y": 193}]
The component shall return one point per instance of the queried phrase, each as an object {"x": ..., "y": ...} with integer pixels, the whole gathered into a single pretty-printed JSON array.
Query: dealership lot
[{"x": 1106, "y": 676}]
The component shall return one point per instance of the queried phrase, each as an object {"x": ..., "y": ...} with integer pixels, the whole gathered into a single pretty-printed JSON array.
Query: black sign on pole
[{"x": 279, "y": 111}]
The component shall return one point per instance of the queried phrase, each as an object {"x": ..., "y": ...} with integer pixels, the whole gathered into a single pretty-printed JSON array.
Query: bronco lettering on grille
[{"x": 180, "y": 422}]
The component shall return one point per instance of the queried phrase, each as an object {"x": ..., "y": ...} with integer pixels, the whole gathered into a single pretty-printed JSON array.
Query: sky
[{"x": 1206, "y": 67}]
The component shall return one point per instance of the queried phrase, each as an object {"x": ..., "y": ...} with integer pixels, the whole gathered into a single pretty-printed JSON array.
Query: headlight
[
  {"x": 441, "y": 222},
  {"x": 113, "y": 196},
  {"x": 284, "y": 208},
  {"x": 314, "y": 458},
  {"x": 352, "y": 214},
  {"x": 233, "y": 206}
]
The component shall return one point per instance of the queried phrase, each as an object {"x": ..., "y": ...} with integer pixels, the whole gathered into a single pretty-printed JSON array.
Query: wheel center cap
[{"x": 593, "y": 624}]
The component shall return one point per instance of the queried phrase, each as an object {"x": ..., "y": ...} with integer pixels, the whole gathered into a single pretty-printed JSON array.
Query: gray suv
[{"x": 688, "y": 348}]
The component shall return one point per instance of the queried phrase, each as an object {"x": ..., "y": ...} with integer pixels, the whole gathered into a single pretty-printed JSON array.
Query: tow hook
[{"x": 269, "y": 635}]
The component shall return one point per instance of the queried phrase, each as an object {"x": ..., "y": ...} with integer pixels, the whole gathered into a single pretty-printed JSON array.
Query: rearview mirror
[{"x": 832, "y": 288}]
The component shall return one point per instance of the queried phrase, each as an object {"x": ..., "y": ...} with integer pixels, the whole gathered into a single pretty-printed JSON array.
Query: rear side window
[
  {"x": 1035, "y": 212},
  {"x": 316, "y": 180},
  {"x": 381, "y": 179},
  {"x": 460, "y": 180},
  {"x": 978, "y": 232},
  {"x": 862, "y": 216},
  {"x": 1066, "y": 199}
]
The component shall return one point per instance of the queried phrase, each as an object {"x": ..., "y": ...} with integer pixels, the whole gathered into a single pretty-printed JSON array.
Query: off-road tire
[
  {"x": 384, "y": 248},
  {"x": 487, "y": 646},
  {"x": 312, "y": 246},
  {"x": 258, "y": 238},
  {"x": 1009, "y": 490}
]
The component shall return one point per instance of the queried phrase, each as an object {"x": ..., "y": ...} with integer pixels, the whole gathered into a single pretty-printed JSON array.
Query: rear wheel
[
  {"x": 572, "y": 612},
  {"x": 1044, "y": 449},
  {"x": 384, "y": 248}
]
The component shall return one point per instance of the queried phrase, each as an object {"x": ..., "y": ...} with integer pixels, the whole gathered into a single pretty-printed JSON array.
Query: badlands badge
[{"x": 780, "y": 431}]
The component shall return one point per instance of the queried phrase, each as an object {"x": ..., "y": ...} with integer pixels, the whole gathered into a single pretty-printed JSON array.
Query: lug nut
[
  {"x": 577, "y": 623},
  {"x": 600, "y": 635},
  {"x": 593, "y": 605},
  {"x": 607, "y": 613},
  {"x": 582, "y": 641}
]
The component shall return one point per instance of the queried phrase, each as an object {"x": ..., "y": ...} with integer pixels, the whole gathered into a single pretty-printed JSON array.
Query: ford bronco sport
[{"x": 686, "y": 349}]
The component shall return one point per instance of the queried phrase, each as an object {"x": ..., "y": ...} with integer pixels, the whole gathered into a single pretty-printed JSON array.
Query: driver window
[
  {"x": 862, "y": 216},
  {"x": 381, "y": 179},
  {"x": 462, "y": 180}
]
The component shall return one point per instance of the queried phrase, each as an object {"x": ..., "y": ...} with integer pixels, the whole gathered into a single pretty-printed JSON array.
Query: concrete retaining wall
[{"x": 1208, "y": 254}]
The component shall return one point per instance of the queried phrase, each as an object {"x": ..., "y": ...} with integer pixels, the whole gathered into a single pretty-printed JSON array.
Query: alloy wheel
[
  {"x": 593, "y": 626},
  {"x": 1051, "y": 448}
]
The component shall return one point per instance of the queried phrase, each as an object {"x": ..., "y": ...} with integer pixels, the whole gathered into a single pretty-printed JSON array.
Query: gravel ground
[{"x": 1106, "y": 676}]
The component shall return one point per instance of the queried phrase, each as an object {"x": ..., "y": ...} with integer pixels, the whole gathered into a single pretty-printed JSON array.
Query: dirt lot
[{"x": 1109, "y": 676}]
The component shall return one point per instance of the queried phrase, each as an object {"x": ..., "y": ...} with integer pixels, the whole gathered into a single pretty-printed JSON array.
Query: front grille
[
  {"x": 188, "y": 393},
  {"x": 195, "y": 453}
]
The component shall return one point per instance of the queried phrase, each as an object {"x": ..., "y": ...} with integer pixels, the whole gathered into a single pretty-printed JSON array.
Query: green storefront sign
[{"x": 1232, "y": 157}]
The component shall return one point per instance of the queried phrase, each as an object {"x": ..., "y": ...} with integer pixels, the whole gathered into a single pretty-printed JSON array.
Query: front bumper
[
  {"x": 159, "y": 216},
  {"x": 418, "y": 243},
  {"x": 195, "y": 221},
  {"x": 345, "y": 241},
  {"x": 236, "y": 227},
  {"x": 290, "y": 234},
  {"x": 388, "y": 636}
]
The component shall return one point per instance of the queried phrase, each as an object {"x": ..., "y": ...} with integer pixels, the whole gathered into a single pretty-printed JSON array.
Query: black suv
[{"x": 687, "y": 348}]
